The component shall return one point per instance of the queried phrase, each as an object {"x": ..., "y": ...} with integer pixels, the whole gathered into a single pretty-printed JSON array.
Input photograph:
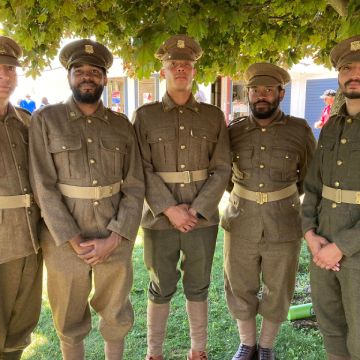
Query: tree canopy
[{"x": 233, "y": 33}]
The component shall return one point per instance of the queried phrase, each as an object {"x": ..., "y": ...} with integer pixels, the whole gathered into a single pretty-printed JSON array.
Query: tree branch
[{"x": 340, "y": 6}]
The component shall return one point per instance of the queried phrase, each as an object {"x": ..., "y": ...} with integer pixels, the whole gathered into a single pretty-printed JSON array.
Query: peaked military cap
[
  {"x": 345, "y": 52},
  {"x": 85, "y": 51},
  {"x": 266, "y": 74},
  {"x": 10, "y": 51},
  {"x": 179, "y": 47}
]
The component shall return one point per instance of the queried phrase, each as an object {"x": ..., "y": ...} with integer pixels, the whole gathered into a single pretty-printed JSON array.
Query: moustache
[
  {"x": 88, "y": 82},
  {"x": 262, "y": 101},
  {"x": 351, "y": 81}
]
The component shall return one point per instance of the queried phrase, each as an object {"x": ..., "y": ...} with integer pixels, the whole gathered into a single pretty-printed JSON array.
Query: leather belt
[
  {"x": 89, "y": 192},
  {"x": 264, "y": 197},
  {"x": 341, "y": 196},
  {"x": 16, "y": 201},
  {"x": 185, "y": 177}
]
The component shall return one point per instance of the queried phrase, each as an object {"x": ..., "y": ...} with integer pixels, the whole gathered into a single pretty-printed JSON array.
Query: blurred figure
[
  {"x": 44, "y": 102},
  {"x": 28, "y": 104},
  {"x": 329, "y": 97}
]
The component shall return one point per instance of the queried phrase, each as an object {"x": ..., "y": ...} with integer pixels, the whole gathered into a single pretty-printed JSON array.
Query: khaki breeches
[
  {"x": 69, "y": 283},
  {"x": 20, "y": 301},
  {"x": 250, "y": 265}
]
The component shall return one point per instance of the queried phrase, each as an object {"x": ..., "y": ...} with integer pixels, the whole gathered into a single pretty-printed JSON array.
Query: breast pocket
[
  {"x": 113, "y": 151},
  {"x": 284, "y": 164},
  {"x": 202, "y": 144},
  {"x": 68, "y": 156},
  {"x": 162, "y": 145}
]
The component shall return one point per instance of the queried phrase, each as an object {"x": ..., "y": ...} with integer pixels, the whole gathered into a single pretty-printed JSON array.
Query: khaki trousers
[
  {"x": 162, "y": 251},
  {"x": 20, "y": 301},
  {"x": 69, "y": 285},
  {"x": 248, "y": 265},
  {"x": 336, "y": 300}
]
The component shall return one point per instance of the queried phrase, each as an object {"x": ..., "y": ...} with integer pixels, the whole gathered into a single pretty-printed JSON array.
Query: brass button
[
  {"x": 29, "y": 212},
  {"x": 105, "y": 117},
  {"x": 72, "y": 114},
  {"x": 181, "y": 111},
  {"x": 182, "y": 185},
  {"x": 182, "y": 166},
  {"x": 89, "y": 121},
  {"x": 261, "y": 166},
  {"x": 261, "y": 185},
  {"x": 333, "y": 205},
  {"x": 343, "y": 141},
  {"x": 238, "y": 156},
  {"x": 94, "y": 182},
  {"x": 96, "y": 203},
  {"x": 262, "y": 147},
  {"x": 339, "y": 162},
  {"x": 182, "y": 127},
  {"x": 19, "y": 167},
  {"x": 204, "y": 137},
  {"x": 89, "y": 140},
  {"x": 117, "y": 148},
  {"x": 121, "y": 181},
  {"x": 182, "y": 147},
  {"x": 293, "y": 205},
  {"x": 160, "y": 139},
  {"x": 25, "y": 189},
  {"x": 336, "y": 184},
  {"x": 92, "y": 161},
  {"x": 349, "y": 120},
  {"x": 286, "y": 156},
  {"x": 13, "y": 145},
  {"x": 63, "y": 147}
]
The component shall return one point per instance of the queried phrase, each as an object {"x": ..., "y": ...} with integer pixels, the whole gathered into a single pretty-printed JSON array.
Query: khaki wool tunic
[
  {"x": 268, "y": 159},
  {"x": 336, "y": 164},
  {"x": 179, "y": 138},
  {"x": 18, "y": 227},
  {"x": 70, "y": 148}
]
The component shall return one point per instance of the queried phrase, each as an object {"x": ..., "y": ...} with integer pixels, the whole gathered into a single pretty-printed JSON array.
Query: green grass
[{"x": 293, "y": 343}]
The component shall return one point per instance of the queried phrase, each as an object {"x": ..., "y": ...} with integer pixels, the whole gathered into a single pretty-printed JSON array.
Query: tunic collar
[
  {"x": 169, "y": 104},
  {"x": 279, "y": 119},
  {"x": 74, "y": 113}
]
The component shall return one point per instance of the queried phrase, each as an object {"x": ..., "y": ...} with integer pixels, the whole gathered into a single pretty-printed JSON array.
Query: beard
[
  {"x": 350, "y": 94},
  {"x": 87, "y": 97},
  {"x": 265, "y": 114}
]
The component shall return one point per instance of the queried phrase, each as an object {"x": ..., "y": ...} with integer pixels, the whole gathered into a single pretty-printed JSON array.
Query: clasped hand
[
  {"x": 326, "y": 255},
  {"x": 95, "y": 251},
  {"x": 182, "y": 217}
]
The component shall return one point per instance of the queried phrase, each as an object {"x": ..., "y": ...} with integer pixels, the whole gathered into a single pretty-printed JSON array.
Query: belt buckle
[
  {"x": 103, "y": 192},
  {"x": 357, "y": 198},
  {"x": 261, "y": 198},
  {"x": 338, "y": 196},
  {"x": 28, "y": 200},
  {"x": 187, "y": 177}
]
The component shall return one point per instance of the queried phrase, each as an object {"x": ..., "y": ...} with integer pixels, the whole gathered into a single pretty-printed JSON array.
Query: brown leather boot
[
  {"x": 245, "y": 352},
  {"x": 114, "y": 350},
  {"x": 197, "y": 355},
  {"x": 73, "y": 352},
  {"x": 265, "y": 354}
]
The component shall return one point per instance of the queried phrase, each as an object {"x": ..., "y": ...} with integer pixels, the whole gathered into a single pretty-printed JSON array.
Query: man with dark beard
[
  {"x": 87, "y": 176},
  {"x": 271, "y": 152},
  {"x": 331, "y": 214}
]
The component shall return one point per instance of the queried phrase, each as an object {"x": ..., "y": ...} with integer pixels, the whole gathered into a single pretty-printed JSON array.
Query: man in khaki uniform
[
  {"x": 185, "y": 149},
  {"x": 20, "y": 264},
  {"x": 331, "y": 214},
  {"x": 271, "y": 152},
  {"x": 87, "y": 177}
]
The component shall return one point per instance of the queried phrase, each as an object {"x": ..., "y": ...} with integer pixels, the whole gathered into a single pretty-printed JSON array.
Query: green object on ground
[{"x": 301, "y": 311}]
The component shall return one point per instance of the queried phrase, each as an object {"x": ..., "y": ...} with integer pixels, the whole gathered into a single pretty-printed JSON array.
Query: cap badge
[
  {"x": 355, "y": 46},
  {"x": 180, "y": 44},
  {"x": 2, "y": 50},
  {"x": 89, "y": 49}
]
